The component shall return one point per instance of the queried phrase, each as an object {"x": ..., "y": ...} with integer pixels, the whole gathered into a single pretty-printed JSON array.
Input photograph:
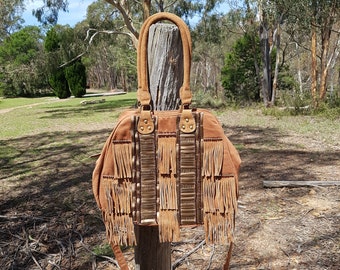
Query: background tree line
[{"x": 281, "y": 52}]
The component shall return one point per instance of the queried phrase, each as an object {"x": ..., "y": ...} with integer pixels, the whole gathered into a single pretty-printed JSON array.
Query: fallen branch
[
  {"x": 211, "y": 257},
  {"x": 23, "y": 217},
  {"x": 94, "y": 254},
  {"x": 278, "y": 184},
  {"x": 180, "y": 260}
]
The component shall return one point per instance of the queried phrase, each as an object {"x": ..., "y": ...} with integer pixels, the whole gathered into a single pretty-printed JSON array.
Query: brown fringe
[
  {"x": 167, "y": 155},
  {"x": 219, "y": 195},
  {"x": 167, "y": 192},
  {"x": 117, "y": 217},
  {"x": 119, "y": 229},
  {"x": 122, "y": 159},
  {"x": 168, "y": 207},
  {"x": 212, "y": 157},
  {"x": 220, "y": 206},
  {"x": 168, "y": 226}
]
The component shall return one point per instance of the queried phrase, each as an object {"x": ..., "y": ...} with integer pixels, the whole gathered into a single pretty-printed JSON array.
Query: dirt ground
[{"x": 49, "y": 220}]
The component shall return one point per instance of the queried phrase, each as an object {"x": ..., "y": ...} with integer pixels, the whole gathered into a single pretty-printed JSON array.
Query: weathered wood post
[{"x": 165, "y": 63}]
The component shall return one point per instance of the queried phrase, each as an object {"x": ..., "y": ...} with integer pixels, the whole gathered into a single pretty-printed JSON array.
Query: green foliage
[
  {"x": 103, "y": 250},
  {"x": 22, "y": 64},
  {"x": 60, "y": 45},
  {"x": 59, "y": 84},
  {"x": 328, "y": 111},
  {"x": 76, "y": 78},
  {"x": 239, "y": 78},
  {"x": 209, "y": 29},
  {"x": 51, "y": 41},
  {"x": 21, "y": 47},
  {"x": 205, "y": 100}
]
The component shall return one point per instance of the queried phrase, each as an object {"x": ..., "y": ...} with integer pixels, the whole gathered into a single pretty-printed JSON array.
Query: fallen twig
[
  {"x": 278, "y": 184},
  {"x": 180, "y": 260},
  {"x": 29, "y": 249},
  {"x": 211, "y": 256},
  {"x": 94, "y": 254}
]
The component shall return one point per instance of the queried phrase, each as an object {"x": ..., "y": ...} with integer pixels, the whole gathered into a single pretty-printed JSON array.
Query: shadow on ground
[
  {"x": 49, "y": 219},
  {"x": 47, "y": 208}
]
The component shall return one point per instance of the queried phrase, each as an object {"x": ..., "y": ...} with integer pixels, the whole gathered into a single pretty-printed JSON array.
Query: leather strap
[
  {"x": 227, "y": 261},
  {"x": 119, "y": 257},
  {"x": 143, "y": 86}
]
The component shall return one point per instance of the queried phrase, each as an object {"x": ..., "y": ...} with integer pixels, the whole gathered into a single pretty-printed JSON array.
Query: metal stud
[{"x": 145, "y": 121}]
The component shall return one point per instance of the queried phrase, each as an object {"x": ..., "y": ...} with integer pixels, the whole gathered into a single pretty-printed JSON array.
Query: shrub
[
  {"x": 76, "y": 78},
  {"x": 59, "y": 84}
]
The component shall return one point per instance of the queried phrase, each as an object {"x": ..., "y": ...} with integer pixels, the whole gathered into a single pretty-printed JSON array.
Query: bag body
[
  {"x": 167, "y": 168},
  {"x": 167, "y": 178}
]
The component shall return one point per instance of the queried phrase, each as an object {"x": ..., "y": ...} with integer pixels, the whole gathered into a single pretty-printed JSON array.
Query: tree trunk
[
  {"x": 266, "y": 79},
  {"x": 277, "y": 61},
  {"x": 332, "y": 71},
  {"x": 165, "y": 64},
  {"x": 325, "y": 35},
  {"x": 314, "y": 68},
  {"x": 299, "y": 67}
]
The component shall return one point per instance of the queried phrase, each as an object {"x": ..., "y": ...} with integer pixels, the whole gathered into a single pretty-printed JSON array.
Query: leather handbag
[{"x": 167, "y": 168}]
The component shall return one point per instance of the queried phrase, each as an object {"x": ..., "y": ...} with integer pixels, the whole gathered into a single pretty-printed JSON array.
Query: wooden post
[{"x": 165, "y": 62}]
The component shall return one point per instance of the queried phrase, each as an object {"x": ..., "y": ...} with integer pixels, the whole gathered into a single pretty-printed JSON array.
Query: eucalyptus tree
[
  {"x": 317, "y": 22},
  {"x": 10, "y": 14}
]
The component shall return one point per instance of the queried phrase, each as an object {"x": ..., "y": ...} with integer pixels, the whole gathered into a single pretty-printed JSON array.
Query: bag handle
[{"x": 143, "y": 87}]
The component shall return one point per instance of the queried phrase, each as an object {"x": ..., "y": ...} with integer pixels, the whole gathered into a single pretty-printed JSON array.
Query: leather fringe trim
[
  {"x": 119, "y": 229},
  {"x": 168, "y": 226},
  {"x": 168, "y": 202},
  {"x": 122, "y": 156},
  {"x": 220, "y": 206},
  {"x": 119, "y": 195},
  {"x": 167, "y": 155},
  {"x": 117, "y": 217},
  {"x": 212, "y": 157},
  {"x": 167, "y": 192},
  {"x": 219, "y": 195}
]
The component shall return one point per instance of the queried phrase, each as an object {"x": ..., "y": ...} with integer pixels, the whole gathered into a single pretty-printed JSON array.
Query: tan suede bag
[{"x": 167, "y": 168}]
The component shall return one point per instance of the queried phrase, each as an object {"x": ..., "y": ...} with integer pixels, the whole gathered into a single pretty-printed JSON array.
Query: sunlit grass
[
  {"x": 6, "y": 103},
  {"x": 62, "y": 115},
  {"x": 318, "y": 127}
]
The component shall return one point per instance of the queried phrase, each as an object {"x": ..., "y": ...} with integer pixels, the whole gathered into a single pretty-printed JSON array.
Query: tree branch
[
  {"x": 127, "y": 20},
  {"x": 90, "y": 38},
  {"x": 180, "y": 260}
]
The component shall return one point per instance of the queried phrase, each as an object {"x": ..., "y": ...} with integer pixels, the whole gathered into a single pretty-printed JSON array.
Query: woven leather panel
[
  {"x": 189, "y": 175},
  {"x": 145, "y": 176}
]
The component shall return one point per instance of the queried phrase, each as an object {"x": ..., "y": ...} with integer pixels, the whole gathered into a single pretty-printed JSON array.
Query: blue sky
[{"x": 77, "y": 12}]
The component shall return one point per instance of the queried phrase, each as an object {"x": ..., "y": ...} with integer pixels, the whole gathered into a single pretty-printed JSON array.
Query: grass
[
  {"x": 317, "y": 127},
  {"x": 48, "y": 114},
  {"x": 6, "y": 103}
]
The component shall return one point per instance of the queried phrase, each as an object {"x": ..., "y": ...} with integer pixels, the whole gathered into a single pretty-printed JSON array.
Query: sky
[{"x": 76, "y": 13}]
